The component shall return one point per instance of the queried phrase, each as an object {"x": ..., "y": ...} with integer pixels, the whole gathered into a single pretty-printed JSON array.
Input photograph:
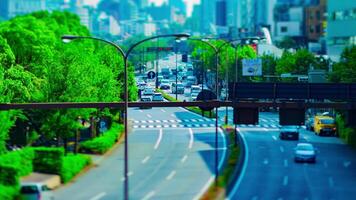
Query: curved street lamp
[{"x": 69, "y": 38}]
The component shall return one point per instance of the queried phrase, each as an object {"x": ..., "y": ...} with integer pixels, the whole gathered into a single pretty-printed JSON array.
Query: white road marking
[
  {"x": 145, "y": 159},
  {"x": 135, "y": 126},
  {"x": 149, "y": 195},
  {"x": 347, "y": 164},
  {"x": 171, "y": 175},
  {"x": 165, "y": 121},
  {"x": 274, "y": 137},
  {"x": 136, "y": 122},
  {"x": 159, "y": 139},
  {"x": 331, "y": 182},
  {"x": 285, "y": 180},
  {"x": 172, "y": 115},
  {"x": 265, "y": 161},
  {"x": 191, "y": 141},
  {"x": 285, "y": 163},
  {"x": 163, "y": 110},
  {"x": 149, "y": 116},
  {"x": 99, "y": 196},
  {"x": 150, "y": 121},
  {"x": 141, "y": 111},
  {"x": 184, "y": 158},
  {"x": 150, "y": 126},
  {"x": 281, "y": 148},
  {"x": 221, "y": 162},
  {"x": 174, "y": 126}
]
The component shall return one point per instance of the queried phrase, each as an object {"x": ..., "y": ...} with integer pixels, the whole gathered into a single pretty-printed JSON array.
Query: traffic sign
[
  {"x": 151, "y": 75},
  {"x": 252, "y": 67},
  {"x": 206, "y": 95}
]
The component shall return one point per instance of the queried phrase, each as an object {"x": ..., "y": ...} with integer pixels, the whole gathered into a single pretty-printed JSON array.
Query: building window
[
  {"x": 318, "y": 15},
  {"x": 311, "y": 15},
  {"x": 311, "y": 29},
  {"x": 317, "y": 29},
  {"x": 284, "y": 29}
]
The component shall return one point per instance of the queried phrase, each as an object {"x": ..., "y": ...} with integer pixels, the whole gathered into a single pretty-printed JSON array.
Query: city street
[{"x": 160, "y": 159}]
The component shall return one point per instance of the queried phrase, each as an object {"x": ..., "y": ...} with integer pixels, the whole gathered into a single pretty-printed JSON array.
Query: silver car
[
  {"x": 35, "y": 191},
  {"x": 305, "y": 152}
]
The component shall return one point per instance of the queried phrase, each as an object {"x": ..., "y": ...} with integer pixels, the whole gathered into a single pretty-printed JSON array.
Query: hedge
[
  {"x": 8, "y": 193},
  {"x": 104, "y": 142},
  {"x": 346, "y": 133},
  {"x": 48, "y": 160},
  {"x": 192, "y": 109},
  {"x": 9, "y": 175},
  {"x": 72, "y": 165},
  {"x": 21, "y": 160}
]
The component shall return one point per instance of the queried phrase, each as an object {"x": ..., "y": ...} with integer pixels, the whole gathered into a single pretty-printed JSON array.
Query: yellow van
[{"x": 324, "y": 125}]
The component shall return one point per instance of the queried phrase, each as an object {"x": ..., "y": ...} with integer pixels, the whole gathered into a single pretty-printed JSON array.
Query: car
[
  {"x": 310, "y": 124},
  {"x": 177, "y": 88},
  {"x": 195, "y": 89},
  {"x": 305, "y": 152},
  {"x": 141, "y": 85},
  {"x": 145, "y": 99},
  {"x": 165, "y": 84},
  {"x": 157, "y": 97},
  {"x": 289, "y": 132},
  {"x": 193, "y": 96},
  {"x": 35, "y": 191},
  {"x": 148, "y": 91},
  {"x": 324, "y": 125}
]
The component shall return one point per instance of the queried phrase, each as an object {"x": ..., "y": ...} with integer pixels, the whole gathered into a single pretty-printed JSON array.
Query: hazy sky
[{"x": 190, "y": 3}]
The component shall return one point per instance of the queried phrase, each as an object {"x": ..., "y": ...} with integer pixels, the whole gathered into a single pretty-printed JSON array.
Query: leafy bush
[
  {"x": 104, "y": 142},
  {"x": 72, "y": 165},
  {"x": 21, "y": 160},
  {"x": 9, "y": 175},
  {"x": 8, "y": 193},
  {"x": 192, "y": 109},
  {"x": 48, "y": 160},
  {"x": 346, "y": 133}
]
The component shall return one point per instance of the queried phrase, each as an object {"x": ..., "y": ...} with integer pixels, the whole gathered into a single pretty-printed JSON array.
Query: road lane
[{"x": 271, "y": 172}]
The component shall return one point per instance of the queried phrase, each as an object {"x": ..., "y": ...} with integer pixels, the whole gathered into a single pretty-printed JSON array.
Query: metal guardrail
[{"x": 237, "y": 104}]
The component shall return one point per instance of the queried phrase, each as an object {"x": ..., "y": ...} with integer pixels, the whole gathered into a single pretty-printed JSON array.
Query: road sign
[
  {"x": 153, "y": 49},
  {"x": 252, "y": 67},
  {"x": 206, "y": 95},
  {"x": 151, "y": 75},
  {"x": 291, "y": 116},
  {"x": 246, "y": 116}
]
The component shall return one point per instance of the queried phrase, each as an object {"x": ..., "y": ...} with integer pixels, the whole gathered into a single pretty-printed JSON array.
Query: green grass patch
[
  {"x": 348, "y": 134},
  {"x": 104, "y": 142},
  {"x": 73, "y": 165},
  {"x": 192, "y": 109}
]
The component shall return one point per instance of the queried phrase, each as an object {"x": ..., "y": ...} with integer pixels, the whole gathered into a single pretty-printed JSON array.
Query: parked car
[
  {"x": 179, "y": 88},
  {"x": 289, "y": 132},
  {"x": 157, "y": 97},
  {"x": 324, "y": 125},
  {"x": 35, "y": 191},
  {"x": 305, "y": 152},
  {"x": 310, "y": 124}
]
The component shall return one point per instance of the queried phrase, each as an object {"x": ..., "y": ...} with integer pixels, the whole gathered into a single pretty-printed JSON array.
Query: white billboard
[{"x": 252, "y": 67}]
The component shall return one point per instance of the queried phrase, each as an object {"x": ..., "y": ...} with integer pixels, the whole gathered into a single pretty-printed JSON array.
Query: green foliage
[
  {"x": 287, "y": 43},
  {"x": 48, "y": 160},
  {"x": 9, "y": 175},
  {"x": 9, "y": 192},
  {"x": 21, "y": 160},
  {"x": 348, "y": 134},
  {"x": 104, "y": 142},
  {"x": 73, "y": 165},
  {"x": 345, "y": 70}
]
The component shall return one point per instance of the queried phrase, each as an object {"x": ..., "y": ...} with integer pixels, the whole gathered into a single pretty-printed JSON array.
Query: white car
[
  {"x": 148, "y": 91},
  {"x": 157, "y": 97},
  {"x": 305, "y": 152},
  {"x": 193, "y": 96},
  {"x": 35, "y": 191}
]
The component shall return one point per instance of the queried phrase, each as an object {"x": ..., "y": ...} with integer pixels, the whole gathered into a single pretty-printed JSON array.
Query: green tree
[
  {"x": 345, "y": 70},
  {"x": 287, "y": 43}
]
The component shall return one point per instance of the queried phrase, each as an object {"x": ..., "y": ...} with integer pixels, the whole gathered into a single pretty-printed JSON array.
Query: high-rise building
[
  {"x": 128, "y": 10},
  {"x": 52, "y": 5},
  {"x": 12, "y": 8},
  {"x": 141, "y": 4},
  {"x": 341, "y": 31},
  {"x": 207, "y": 15},
  {"x": 179, "y": 5},
  {"x": 315, "y": 18}
]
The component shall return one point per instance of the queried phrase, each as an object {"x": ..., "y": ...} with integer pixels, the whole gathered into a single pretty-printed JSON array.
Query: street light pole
[
  {"x": 176, "y": 69},
  {"x": 68, "y": 38}
]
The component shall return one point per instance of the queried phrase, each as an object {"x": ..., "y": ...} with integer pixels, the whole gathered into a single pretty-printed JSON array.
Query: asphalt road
[
  {"x": 271, "y": 173},
  {"x": 166, "y": 162}
]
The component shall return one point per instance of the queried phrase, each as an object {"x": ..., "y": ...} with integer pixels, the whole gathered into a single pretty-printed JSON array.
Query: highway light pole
[
  {"x": 69, "y": 38},
  {"x": 205, "y": 41}
]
